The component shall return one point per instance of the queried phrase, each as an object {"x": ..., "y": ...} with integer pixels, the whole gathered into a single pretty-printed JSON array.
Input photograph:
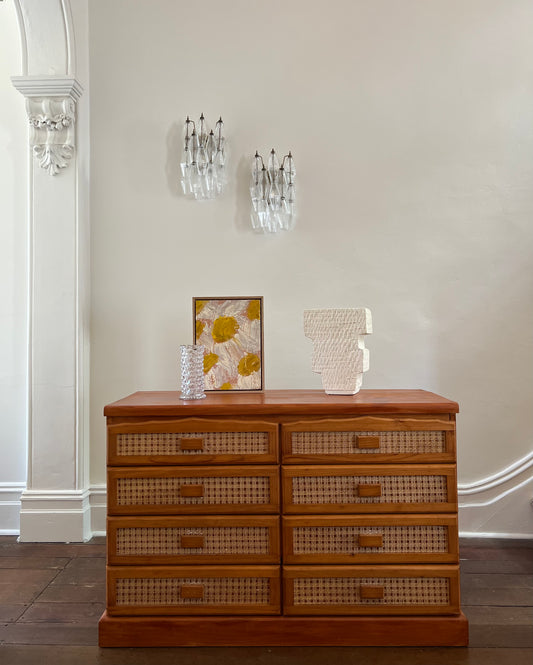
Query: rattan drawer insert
[
  {"x": 366, "y": 488},
  {"x": 194, "y": 490},
  {"x": 337, "y": 539},
  {"x": 189, "y": 540},
  {"x": 193, "y": 441},
  {"x": 371, "y": 589},
  {"x": 369, "y": 440},
  {"x": 151, "y": 590}
]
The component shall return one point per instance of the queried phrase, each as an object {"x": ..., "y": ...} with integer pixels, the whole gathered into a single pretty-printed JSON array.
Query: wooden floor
[{"x": 52, "y": 595}]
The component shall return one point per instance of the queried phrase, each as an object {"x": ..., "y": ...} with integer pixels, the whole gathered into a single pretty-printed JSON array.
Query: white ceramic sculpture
[{"x": 339, "y": 353}]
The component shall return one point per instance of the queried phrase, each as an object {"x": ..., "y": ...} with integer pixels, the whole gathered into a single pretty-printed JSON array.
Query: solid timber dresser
[{"x": 288, "y": 517}]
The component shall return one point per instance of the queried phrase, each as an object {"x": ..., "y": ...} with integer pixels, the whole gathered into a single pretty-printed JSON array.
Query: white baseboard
[
  {"x": 10, "y": 508},
  {"x": 507, "y": 536},
  {"x": 98, "y": 501},
  {"x": 55, "y": 516},
  {"x": 499, "y": 506},
  {"x": 52, "y": 516}
]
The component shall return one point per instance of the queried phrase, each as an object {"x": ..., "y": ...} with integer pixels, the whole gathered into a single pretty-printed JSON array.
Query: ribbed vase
[{"x": 192, "y": 371}]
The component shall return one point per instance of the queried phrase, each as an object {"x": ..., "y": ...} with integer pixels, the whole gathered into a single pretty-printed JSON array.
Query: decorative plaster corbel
[
  {"x": 52, "y": 121},
  {"x": 51, "y": 107}
]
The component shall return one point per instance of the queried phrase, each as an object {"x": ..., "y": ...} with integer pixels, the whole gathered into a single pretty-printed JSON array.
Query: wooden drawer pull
[
  {"x": 369, "y": 490},
  {"x": 370, "y": 540},
  {"x": 189, "y": 542},
  {"x": 368, "y": 592},
  {"x": 192, "y": 591},
  {"x": 192, "y": 490},
  {"x": 191, "y": 444},
  {"x": 365, "y": 442}
]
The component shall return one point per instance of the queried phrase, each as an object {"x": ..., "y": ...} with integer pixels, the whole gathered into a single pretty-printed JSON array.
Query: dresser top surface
[{"x": 281, "y": 402}]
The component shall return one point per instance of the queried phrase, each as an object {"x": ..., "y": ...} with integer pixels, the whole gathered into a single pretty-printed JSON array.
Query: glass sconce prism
[
  {"x": 203, "y": 165},
  {"x": 273, "y": 193}
]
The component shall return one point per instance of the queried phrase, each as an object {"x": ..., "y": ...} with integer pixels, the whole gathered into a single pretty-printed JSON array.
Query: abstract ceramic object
[
  {"x": 192, "y": 371},
  {"x": 339, "y": 353}
]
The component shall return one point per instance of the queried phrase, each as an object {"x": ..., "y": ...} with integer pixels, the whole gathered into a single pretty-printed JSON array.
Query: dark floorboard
[
  {"x": 86, "y": 655},
  {"x": 52, "y": 595}
]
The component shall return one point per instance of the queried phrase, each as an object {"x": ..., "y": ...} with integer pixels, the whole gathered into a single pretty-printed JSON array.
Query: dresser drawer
[
  {"x": 189, "y": 540},
  {"x": 336, "y": 539},
  {"x": 370, "y": 590},
  {"x": 193, "y": 490},
  {"x": 369, "y": 440},
  {"x": 193, "y": 441},
  {"x": 192, "y": 590},
  {"x": 369, "y": 489}
]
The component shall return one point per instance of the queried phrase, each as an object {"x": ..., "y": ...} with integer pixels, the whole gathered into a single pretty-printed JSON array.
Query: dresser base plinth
[{"x": 166, "y": 631}]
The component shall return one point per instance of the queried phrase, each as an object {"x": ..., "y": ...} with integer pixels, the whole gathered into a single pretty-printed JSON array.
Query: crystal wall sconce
[
  {"x": 203, "y": 169},
  {"x": 272, "y": 191}
]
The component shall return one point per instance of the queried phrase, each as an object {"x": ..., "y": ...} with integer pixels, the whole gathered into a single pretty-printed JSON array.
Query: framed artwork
[{"x": 231, "y": 330}]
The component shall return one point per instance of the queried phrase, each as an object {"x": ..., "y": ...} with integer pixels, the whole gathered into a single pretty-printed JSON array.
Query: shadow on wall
[
  {"x": 172, "y": 167},
  {"x": 238, "y": 179},
  {"x": 483, "y": 352},
  {"x": 243, "y": 202}
]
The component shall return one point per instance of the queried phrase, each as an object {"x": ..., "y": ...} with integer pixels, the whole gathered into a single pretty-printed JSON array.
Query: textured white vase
[{"x": 339, "y": 353}]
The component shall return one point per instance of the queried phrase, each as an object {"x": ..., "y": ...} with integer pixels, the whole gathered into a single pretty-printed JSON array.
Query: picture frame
[{"x": 231, "y": 330}]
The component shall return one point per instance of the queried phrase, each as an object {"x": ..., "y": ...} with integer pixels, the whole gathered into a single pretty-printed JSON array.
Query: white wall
[
  {"x": 410, "y": 124},
  {"x": 13, "y": 276}
]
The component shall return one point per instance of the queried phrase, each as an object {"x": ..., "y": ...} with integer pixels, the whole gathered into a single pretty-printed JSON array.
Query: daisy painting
[{"x": 231, "y": 330}]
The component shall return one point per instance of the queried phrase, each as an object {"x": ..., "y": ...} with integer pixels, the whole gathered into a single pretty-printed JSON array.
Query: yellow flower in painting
[
  {"x": 210, "y": 360},
  {"x": 249, "y": 364},
  {"x": 226, "y": 386},
  {"x": 200, "y": 325},
  {"x": 200, "y": 304},
  {"x": 254, "y": 310},
  {"x": 224, "y": 328}
]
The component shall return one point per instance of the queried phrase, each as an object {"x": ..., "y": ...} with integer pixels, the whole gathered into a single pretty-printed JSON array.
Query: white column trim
[
  {"x": 55, "y": 506},
  {"x": 59, "y": 48},
  {"x": 23, "y": 40},
  {"x": 70, "y": 37}
]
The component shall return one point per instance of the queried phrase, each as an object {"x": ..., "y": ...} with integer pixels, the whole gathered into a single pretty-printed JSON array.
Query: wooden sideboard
[{"x": 287, "y": 517}]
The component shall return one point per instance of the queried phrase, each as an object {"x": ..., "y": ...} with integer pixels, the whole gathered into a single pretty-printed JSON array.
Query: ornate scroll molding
[{"x": 51, "y": 107}]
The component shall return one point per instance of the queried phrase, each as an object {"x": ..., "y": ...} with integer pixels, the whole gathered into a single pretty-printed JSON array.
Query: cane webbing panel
[
  {"x": 346, "y": 591},
  {"x": 217, "y": 491},
  {"x": 343, "y": 489},
  {"x": 217, "y": 591},
  {"x": 214, "y": 443},
  {"x": 143, "y": 541},
  {"x": 338, "y": 443},
  {"x": 343, "y": 539}
]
